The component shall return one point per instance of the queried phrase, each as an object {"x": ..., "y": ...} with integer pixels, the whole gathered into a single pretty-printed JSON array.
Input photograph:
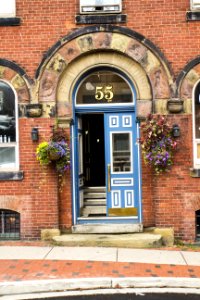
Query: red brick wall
[
  {"x": 35, "y": 197},
  {"x": 45, "y": 22},
  {"x": 175, "y": 195},
  {"x": 167, "y": 199}
]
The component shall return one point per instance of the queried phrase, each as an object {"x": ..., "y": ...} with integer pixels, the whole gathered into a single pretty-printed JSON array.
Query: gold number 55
[
  {"x": 104, "y": 93},
  {"x": 99, "y": 94}
]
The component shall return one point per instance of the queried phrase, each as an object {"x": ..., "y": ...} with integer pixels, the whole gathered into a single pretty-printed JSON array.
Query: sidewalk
[{"x": 30, "y": 269}]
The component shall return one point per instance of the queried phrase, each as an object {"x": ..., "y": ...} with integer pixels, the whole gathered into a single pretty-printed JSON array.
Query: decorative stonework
[
  {"x": 13, "y": 74},
  {"x": 101, "y": 45},
  {"x": 69, "y": 61}
]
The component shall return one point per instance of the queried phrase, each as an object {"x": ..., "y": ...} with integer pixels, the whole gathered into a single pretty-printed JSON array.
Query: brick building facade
[{"x": 48, "y": 50}]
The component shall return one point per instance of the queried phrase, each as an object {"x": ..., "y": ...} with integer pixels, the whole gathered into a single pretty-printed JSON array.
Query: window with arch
[{"x": 8, "y": 128}]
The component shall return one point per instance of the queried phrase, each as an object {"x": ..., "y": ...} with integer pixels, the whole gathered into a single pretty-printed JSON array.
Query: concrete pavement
[
  {"x": 25, "y": 270},
  {"x": 101, "y": 254}
]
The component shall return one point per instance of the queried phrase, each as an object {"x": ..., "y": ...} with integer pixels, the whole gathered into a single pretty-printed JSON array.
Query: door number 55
[{"x": 104, "y": 92}]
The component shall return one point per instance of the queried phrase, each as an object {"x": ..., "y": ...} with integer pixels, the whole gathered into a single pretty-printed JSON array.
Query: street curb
[{"x": 60, "y": 285}]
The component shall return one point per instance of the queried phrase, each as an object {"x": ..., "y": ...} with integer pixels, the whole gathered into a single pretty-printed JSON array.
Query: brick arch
[
  {"x": 16, "y": 76},
  {"x": 95, "y": 41},
  {"x": 12, "y": 203}
]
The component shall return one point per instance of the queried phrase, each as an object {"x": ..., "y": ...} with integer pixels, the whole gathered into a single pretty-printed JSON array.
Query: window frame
[
  {"x": 10, "y": 9},
  {"x": 192, "y": 6},
  {"x": 16, "y": 143}
]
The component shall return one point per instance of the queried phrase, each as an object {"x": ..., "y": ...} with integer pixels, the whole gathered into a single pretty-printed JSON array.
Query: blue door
[{"x": 122, "y": 165}]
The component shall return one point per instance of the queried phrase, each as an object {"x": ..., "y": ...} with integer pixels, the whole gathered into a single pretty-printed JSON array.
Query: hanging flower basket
[
  {"x": 157, "y": 143},
  {"x": 56, "y": 152},
  {"x": 53, "y": 155}
]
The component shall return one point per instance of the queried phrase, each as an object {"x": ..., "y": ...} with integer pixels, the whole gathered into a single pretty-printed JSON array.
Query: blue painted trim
[
  {"x": 139, "y": 173},
  {"x": 108, "y": 108}
]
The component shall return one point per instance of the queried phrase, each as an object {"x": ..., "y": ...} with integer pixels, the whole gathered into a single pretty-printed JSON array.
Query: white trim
[
  {"x": 124, "y": 124},
  {"x": 116, "y": 198},
  {"x": 129, "y": 198},
  {"x": 122, "y": 182},
  {"x": 131, "y": 152},
  {"x": 112, "y": 123}
]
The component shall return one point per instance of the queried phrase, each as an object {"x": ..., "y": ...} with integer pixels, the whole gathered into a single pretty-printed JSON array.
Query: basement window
[
  {"x": 9, "y": 225},
  {"x": 198, "y": 225}
]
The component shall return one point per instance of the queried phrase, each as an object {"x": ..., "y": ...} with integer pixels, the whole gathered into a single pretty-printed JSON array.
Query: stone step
[
  {"x": 93, "y": 189},
  {"x": 95, "y": 202},
  {"x": 133, "y": 240},
  {"x": 94, "y": 210},
  {"x": 94, "y": 195}
]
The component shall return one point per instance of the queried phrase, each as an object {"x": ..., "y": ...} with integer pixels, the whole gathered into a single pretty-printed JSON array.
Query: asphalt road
[{"x": 131, "y": 297}]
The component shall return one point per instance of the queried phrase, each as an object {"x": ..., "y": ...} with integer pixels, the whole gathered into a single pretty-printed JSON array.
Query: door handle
[{"x": 109, "y": 185}]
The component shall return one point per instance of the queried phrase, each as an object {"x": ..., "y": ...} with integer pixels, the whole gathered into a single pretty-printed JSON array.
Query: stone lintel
[
  {"x": 10, "y": 21},
  {"x": 101, "y": 19},
  {"x": 18, "y": 175}
]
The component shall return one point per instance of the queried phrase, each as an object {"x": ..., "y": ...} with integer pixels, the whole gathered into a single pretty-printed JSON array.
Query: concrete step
[
  {"x": 94, "y": 210},
  {"x": 95, "y": 189},
  {"x": 94, "y": 195},
  {"x": 133, "y": 240},
  {"x": 93, "y": 202}
]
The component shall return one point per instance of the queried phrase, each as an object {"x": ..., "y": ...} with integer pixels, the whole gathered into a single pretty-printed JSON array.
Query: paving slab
[
  {"x": 25, "y": 252},
  {"x": 191, "y": 258},
  {"x": 83, "y": 253},
  {"x": 151, "y": 256}
]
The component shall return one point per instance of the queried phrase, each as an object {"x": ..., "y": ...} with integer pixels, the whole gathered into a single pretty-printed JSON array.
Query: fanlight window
[{"x": 104, "y": 87}]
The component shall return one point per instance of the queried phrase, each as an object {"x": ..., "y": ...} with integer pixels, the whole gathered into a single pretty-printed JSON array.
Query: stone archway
[{"x": 104, "y": 45}]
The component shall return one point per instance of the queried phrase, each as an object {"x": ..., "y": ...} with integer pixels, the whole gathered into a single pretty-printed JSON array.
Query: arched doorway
[{"x": 106, "y": 168}]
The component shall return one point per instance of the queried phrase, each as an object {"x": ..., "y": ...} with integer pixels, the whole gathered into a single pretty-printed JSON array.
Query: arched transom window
[{"x": 104, "y": 87}]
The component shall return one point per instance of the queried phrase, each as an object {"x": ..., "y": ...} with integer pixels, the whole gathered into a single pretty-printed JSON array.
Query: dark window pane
[
  {"x": 104, "y": 87},
  {"x": 7, "y": 113},
  {"x": 9, "y": 224},
  {"x": 121, "y": 152}
]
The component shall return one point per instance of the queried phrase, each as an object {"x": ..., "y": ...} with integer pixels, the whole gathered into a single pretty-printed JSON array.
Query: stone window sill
[
  {"x": 193, "y": 15},
  {"x": 101, "y": 19},
  {"x": 10, "y": 21},
  {"x": 16, "y": 175}
]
